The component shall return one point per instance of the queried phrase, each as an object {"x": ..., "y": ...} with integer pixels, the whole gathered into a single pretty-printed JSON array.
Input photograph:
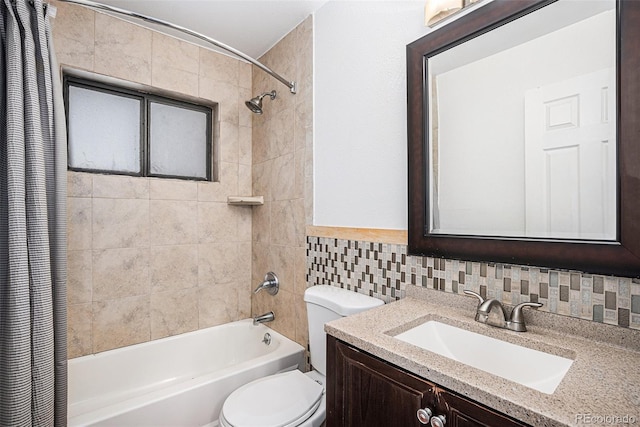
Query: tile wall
[
  {"x": 282, "y": 173},
  {"x": 383, "y": 271},
  {"x": 151, "y": 257}
]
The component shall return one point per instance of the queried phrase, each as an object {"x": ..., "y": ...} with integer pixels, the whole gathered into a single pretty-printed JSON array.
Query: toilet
[{"x": 292, "y": 398}]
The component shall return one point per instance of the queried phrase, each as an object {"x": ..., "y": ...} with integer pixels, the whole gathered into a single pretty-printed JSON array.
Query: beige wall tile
[
  {"x": 262, "y": 142},
  {"x": 217, "y": 222},
  {"x": 79, "y": 223},
  {"x": 300, "y": 271},
  {"x": 260, "y": 263},
  {"x": 172, "y": 189},
  {"x": 120, "y": 322},
  {"x": 281, "y": 261},
  {"x": 245, "y": 184},
  {"x": 280, "y": 131},
  {"x": 173, "y": 267},
  {"x": 173, "y": 222},
  {"x": 261, "y": 223},
  {"x": 283, "y": 223},
  {"x": 245, "y": 116},
  {"x": 174, "y": 312},
  {"x": 229, "y": 149},
  {"x": 120, "y": 273},
  {"x": 284, "y": 308},
  {"x": 122, "y": 49},
  {"x": 219, "y": 264},
  {"x": 262, "y": 175},
  {"x": 79, "y": 184},
  {"x": 217, "y": 304},
  {"x": 244, "y": 215},
  {"x": 282, "y": 158},
  {"x": 120, "y": 223},
  {"x": 244, "y": 145},
  {"x": 219, "y": 191},
  {"x": 79, "y": 336},
  {"x": 245, "y": 72},
  {"x": 73, "y": 35},
  {"x": 226, "y": 95},
  {"x": 218, "y": 67},
  {"x": 120, "y": 187},
  {"x": 283, "y": 176},
  {"x": 298, "y": 191},
  {"x": 126, "y": 244},
  {"x": 301, "y": 322},
  {"x": 79, "y": 277},
  {"x": 174, "y": 64}
]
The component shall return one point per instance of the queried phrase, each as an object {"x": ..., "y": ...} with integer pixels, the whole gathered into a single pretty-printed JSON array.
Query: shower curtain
[{"x": 32, "y": 221}]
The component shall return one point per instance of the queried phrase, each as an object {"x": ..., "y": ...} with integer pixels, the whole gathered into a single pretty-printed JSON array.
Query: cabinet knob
[
  {"x": 424, "y": 415},
  {"x": 438, "y": 421}
]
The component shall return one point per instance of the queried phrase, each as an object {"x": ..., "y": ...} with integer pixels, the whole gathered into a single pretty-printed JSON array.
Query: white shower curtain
[{"x": 32, "y": 221}]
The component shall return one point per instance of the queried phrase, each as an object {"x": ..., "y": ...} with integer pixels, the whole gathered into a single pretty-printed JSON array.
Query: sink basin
[{"x": 532, "y": 368}]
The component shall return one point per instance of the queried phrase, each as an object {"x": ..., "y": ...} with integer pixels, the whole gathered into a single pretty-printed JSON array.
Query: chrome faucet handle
[
  {"x": 516, "y": 314},
  {"x": 516, "y": 321},
  {"x": 271, "y": 284},
  {"x": 475, "y": 294}
]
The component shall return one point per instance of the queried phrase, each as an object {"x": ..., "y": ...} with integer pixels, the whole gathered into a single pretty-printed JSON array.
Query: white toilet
[{"x": 292, "y": 398}]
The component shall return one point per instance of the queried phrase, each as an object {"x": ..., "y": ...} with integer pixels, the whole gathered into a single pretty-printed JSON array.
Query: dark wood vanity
[{"x": 363, "y": 390}]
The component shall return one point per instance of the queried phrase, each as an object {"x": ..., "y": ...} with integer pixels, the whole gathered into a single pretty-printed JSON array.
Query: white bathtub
[{"x": 180, "y": 381}]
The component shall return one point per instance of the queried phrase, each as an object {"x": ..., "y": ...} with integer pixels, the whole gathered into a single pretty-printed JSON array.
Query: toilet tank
[{"x": 326, "y": 303}]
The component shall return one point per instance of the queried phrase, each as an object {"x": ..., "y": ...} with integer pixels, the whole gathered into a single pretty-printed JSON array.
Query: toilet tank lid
[{"x": 340, "y": 301}]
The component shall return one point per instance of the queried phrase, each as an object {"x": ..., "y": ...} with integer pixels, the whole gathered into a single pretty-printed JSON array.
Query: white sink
[{"x": 532, "y": 368}]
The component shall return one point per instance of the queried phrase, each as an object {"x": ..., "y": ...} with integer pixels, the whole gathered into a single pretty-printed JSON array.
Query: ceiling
[{"x": 250, "y": 26}]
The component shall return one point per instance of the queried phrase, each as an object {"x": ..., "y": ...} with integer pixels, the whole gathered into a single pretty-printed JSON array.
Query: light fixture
[{"x": 437, "y": 10}]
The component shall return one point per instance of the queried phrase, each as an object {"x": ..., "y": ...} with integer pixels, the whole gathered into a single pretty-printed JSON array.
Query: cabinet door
[
  {"x": 466, "y": 413},
  {"x": 365, "y": 391}
]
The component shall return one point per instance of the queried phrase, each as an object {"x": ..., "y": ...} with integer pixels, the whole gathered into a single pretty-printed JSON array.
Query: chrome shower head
[{"x": 255, "y": 104}]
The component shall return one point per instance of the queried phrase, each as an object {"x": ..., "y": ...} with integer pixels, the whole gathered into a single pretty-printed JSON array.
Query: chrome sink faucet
[{"x": 516, "y": 320}]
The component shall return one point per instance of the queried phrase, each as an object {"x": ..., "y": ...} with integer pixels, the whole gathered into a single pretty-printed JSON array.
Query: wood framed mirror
[{"x": 613, "y": 250}]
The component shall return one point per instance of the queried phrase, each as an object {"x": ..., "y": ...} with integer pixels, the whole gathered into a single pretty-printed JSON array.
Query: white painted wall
[
  {"x": 360, "y": 155},
  {"x": 360, "y": 147}
]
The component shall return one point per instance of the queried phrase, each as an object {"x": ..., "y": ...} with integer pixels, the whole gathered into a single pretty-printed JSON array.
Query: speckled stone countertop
[{"x": 603, "y": 381}]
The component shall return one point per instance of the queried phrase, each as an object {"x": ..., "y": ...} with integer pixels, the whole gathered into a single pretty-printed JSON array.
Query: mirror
[{"x": 521, "y": 118}]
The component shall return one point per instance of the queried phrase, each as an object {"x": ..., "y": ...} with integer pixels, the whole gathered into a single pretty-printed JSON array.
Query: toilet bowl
[
  {"x": 294, "y": 398},
  {"x": 282, "y": 400}
]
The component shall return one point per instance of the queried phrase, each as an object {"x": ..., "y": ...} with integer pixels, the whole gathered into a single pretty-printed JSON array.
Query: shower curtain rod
[{"x": 100, "y": 6}]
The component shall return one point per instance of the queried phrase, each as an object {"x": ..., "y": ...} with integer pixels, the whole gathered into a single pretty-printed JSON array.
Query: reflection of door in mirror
[
  {"x": 570, "y": 156},
  {"x": 478, "y": 92}
]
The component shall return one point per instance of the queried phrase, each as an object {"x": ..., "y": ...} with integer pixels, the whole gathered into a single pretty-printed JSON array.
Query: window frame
[{"x": 146, "y": 95}]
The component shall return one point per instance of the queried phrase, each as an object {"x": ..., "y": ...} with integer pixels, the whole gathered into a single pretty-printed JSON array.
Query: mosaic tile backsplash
[{"x": 383, "y": 270}]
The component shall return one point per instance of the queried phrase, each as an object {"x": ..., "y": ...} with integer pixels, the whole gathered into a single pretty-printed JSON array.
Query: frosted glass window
[
  {"x": 104, "y": 131},
  {"x": 177, "y": 141}
]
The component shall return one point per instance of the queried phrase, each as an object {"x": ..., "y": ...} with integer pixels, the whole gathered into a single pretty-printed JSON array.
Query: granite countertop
[{"x": 603, "y": 381}]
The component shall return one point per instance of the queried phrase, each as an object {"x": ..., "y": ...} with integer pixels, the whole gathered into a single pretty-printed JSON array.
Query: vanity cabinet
[{"x": 363, "y": 390}]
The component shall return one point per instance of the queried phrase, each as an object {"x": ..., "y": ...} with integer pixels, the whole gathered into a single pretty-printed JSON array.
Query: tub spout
[
  {"x": 267, "y": 317},
  {"x": 271, "y": 284}
]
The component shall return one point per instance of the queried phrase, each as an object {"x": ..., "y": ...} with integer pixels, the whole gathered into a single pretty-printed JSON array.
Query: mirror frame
[{"x": 620, "y": 257}]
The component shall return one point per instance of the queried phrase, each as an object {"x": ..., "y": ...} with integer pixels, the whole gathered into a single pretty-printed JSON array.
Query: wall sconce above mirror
[
  {"x": 497, "y": 166},
  {"x": 436, "y": 11}
]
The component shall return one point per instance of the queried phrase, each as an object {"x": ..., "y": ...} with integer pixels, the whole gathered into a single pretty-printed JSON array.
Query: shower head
[{"x": 255, "y": 104}]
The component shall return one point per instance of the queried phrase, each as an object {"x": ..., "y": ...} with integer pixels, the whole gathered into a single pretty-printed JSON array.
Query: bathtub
[{"x": 180, "y": 381}]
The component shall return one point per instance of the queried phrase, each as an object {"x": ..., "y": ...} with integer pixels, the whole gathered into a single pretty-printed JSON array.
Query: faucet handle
[
  {"x": 270, "y": 283},
  {"x": 516, "y": 314},
  {"x": 516, "y": 320},
  {"x": 475, "y": 294}
]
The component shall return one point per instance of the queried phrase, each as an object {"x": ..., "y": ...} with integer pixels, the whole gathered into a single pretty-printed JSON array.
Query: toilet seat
[{"x": 281, "y": 400}]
